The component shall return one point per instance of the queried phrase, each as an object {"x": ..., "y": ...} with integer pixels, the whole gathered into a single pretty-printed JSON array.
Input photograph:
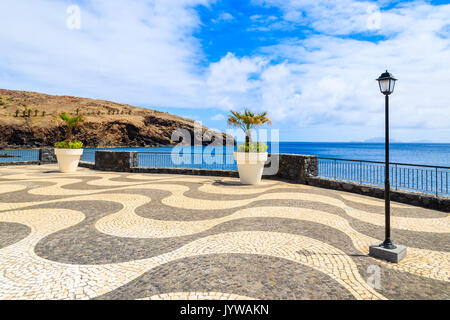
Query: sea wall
[
  {"x": 47, "y": 155},
  {"x": 295, "y": 167},
  {"x": 120, "y": 161},
  {"x": 18, "y": 163},
  {"x": 195, "y": 172},
  {"x": 413, "y": 198}
]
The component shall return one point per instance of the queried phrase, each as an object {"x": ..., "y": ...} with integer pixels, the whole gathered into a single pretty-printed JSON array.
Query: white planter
[
  {"x": 68, "y": 159},
  {"x": 250, "y": 166}
]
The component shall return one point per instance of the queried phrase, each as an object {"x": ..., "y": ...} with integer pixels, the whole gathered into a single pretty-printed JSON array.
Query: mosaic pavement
[{"x": 105, "y": 235}]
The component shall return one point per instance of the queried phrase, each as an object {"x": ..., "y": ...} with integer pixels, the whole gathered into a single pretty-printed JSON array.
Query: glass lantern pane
[
  {"x": 392, "y": 86},
  {"x": 384, "y": 85}
]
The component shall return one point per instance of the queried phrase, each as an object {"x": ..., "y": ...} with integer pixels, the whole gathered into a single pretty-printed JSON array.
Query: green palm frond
[
  {"x": 247, "y": 121},
  {"x": 71, "y": 121}
]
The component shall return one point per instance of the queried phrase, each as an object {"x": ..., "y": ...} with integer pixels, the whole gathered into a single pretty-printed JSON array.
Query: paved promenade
[{"x": 108, "y": 235}]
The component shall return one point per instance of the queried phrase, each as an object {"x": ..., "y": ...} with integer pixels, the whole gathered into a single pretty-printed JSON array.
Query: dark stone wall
[
  {"x": 403, "y": 196},
  {"x": 296, "y": 167},
  {"x": 120, "y": 161},
  {"x": 18, "y": 163},
  {"x": 195, "y": 172},
  {"x": 84, "y": 164},
  {"x": 47, "y": 155}
]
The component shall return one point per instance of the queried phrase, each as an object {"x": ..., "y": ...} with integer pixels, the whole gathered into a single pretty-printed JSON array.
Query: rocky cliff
[{"x": 28, "y": 119}]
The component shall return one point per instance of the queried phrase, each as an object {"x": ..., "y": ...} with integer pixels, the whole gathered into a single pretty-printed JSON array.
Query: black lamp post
[{"x": 387, "y": 85}]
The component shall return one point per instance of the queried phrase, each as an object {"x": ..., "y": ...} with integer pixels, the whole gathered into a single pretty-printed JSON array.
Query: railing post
[
  {"x": 335, "y": 169},
  {"x": 360, "y": 173},
  {"x": 436, "y": 181},
  {"x": 396, "y": 177}
]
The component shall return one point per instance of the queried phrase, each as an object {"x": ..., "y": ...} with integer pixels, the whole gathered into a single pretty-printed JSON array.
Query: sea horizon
[
  {"x": 433, "y": 154},
  {"x": 430, "y": 153}
]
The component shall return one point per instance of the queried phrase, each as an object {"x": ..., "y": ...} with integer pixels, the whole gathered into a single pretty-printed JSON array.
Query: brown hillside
[{"x": 106, "y": 123}]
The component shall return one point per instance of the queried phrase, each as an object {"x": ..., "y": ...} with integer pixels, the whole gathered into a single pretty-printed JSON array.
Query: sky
[{"x": 311, "y": 64}]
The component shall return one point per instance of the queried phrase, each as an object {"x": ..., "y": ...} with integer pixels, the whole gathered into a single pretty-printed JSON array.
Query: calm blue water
[
  {"x": 437, "y": 154},
  {"x": 428, "y": 180}
]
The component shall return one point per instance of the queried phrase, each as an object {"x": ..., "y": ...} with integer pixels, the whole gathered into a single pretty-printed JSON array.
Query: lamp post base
[
  {"x": 388, "y": 244},
  {"x": 392, "y": 255}
]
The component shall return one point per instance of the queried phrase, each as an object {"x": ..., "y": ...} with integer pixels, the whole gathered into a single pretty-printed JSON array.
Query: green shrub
[
  {"x": 252, "y": 147},
  {"x": 69, "y": 145}
]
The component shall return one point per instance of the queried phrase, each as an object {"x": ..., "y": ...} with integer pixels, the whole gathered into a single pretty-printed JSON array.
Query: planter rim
[
  {"x": 61, "y": 151},
  {"x": 250, "y": 157},
  {"x": 251, "y": 152}
]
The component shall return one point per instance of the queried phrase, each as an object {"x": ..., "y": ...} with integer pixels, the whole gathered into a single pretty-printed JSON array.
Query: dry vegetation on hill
[{"x": 27, "y": 119}]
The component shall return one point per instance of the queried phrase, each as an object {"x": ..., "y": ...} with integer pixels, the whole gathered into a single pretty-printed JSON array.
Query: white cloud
[
  {"x": 328, "y": 16},
  {"x": 135, "y": 51},
  {"x": 144, "y": 53},
  {"x": 230, "y": 82},
  {"x": 232, "y": 74},
  {"x": 330, "y": 79},
  {"x": 223, "y": 17},
  {"x": 218, "y": 117}
]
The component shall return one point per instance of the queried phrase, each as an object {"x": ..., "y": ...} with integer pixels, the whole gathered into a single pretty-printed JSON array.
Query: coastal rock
[{"x": 28, "y": 119}]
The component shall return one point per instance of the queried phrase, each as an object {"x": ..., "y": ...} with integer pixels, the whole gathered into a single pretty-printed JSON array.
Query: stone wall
[
  {"x": 296, "y": 168},
  {"x": 47, "y": 155},
  {"x": 403, "y": 196},
  {"x": 195, "y": 172},
  {"x": 120, "y": 161},
  {"x": 85, "y": 164},
  {"x": 18, "y": 163}
]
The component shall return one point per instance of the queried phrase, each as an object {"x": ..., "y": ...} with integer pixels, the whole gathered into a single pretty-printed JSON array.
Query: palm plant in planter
[
  {"x": 69, "y": 151},
  {"x": 250, "y": 156}
]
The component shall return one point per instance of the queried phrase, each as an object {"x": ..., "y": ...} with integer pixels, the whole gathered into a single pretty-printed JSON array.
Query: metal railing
[
  {"x": 420, "y": 178},
  {"x": 412, "y": 177},
  {"x": 215, "y": 161},
  {"x": 88, "y": 155},
  {"x": 18, "y": 155}
]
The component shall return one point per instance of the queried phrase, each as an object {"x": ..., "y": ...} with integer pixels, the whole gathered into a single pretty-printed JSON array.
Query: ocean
[
  {"x": 436, "y": 154},
  {"x": 415, "y": 178}
]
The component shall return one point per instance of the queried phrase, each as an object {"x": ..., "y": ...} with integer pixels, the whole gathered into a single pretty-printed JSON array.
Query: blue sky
[{"x": 310, "y": 63}]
